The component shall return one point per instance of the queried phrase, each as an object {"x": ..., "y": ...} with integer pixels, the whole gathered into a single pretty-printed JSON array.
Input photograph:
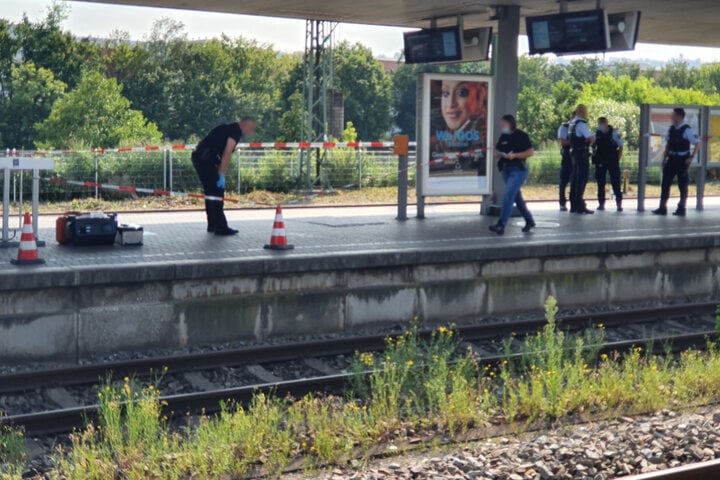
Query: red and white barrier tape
[
  {"x": 240, "y": 146},
  {"x": 129, "y": 189}
]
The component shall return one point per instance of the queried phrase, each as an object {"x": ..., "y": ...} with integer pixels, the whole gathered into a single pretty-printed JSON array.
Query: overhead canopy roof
[{"x": 680, "y": 22}]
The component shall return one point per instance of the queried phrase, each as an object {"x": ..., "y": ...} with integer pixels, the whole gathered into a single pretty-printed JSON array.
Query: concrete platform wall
[{"x": 77, "y": 314}]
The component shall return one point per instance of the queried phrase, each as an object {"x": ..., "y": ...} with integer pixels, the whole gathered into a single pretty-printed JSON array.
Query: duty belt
[{"x": 679, "y": 154}]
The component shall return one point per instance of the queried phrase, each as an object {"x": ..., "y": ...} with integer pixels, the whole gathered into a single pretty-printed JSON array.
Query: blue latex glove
[{"x": 221, "y": 181}]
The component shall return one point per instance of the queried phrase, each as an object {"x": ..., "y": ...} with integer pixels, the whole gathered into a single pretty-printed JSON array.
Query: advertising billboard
[{"x": 455, "y": 131}]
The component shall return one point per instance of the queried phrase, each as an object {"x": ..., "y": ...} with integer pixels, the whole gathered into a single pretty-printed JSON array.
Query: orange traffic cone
[
  {"x": 28, "y": 252},
  {"x": 278, "y": 240}
]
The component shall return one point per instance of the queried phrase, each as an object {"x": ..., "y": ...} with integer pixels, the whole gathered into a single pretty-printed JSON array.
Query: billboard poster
[
  {"x": 714, "y": 140},
  {"x": 660, "y": 121},
  {"x": 454, "y": 134}
]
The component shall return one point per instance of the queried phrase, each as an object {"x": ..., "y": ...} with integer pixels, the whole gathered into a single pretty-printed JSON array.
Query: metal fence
[{"x": 277, "y": 170}]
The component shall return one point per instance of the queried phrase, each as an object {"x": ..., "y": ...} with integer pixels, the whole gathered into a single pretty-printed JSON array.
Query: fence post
[
  {"x": 358, "y": 153},
  {"x": 401, "y": 149},
  {"x": 97, "y": 175},
  {"x": 702, "y": 172},
  {"x": 164, "y": 168},
  {"x": 170, "y": 169},
  {"x": 238, "y": 171},
  {"x": 643, "y": 155}
]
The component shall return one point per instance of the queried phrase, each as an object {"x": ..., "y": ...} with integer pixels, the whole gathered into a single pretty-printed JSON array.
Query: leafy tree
[
  {"x": 96, "y": 114},
  {"x": 27, "y": 100},
  {"x": 621, "y": 68},
  {"x": 366, "y": 90},
  {"x": 676, "y": 74},
  {"x": 291, "y": 120},
  {"x": 47, "y": 46},
  {"x": 535, "y": 115}
]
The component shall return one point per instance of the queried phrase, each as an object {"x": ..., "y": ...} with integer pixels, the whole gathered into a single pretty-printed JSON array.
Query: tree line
[{"x": 58, "y": 91}]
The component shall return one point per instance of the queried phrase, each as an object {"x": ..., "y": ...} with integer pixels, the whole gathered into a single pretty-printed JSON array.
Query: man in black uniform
[
  {"x": 580, "y": 141},
  {"x": 211, "y": 160},
  {"x": 565, "y": 161},
  {"x": 677, "y": 159},
  {"x": 608, "y": 150}
]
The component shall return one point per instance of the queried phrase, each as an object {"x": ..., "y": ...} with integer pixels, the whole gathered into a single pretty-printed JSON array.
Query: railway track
[
  {"x": 199, "y": 381},
  {"x": 696, "y": 471}
]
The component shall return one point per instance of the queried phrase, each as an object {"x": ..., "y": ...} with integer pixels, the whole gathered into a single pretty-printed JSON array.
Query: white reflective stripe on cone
[
  {"x": 278, "y": 232},
  {"x": 278, "y": 218},
  {"x": 28, "y": 245}
]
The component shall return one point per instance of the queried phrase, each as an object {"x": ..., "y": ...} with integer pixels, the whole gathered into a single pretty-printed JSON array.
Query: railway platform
[{"x": 351, "y": 268}]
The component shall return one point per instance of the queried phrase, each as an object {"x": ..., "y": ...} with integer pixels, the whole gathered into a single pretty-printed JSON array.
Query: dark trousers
[
  {"x": 579, "y": 179},
  {"x": 209, "y": 176},
  {"x": 565, "y": 174},
  {"x": 601, "y": 172},
  {"x": 675, "y": 167}
]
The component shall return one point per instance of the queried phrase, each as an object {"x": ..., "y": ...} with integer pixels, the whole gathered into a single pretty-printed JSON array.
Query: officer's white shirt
[
  {"x": 563, "y": 132},
  {"x": 581, "y": 128},
  {"x": 689, "y": 135}
]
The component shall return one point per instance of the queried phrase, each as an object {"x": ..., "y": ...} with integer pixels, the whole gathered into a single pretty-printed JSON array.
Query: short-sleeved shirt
[
  {"x": 615, "y": 137},
  {"x": 689, "y": 135},
  {"x": 581, "y": 128},
  {"x": 563, "y": 132},
  {"x": 212, "y": 147},
  {"x": 515, "y": 142}
]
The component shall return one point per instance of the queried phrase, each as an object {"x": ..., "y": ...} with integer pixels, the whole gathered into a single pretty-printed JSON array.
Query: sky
[{"x": 98, "y": 20}]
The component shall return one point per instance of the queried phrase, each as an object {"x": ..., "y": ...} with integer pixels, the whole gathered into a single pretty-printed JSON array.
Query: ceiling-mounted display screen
[
  {"x": 566, "y": 33},
  {"x": 433, "y": 45}
]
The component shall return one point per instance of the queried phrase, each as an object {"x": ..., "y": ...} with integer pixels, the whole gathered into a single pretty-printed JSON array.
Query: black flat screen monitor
[
  {"x": 565, "y": 33},
  {"x": 433, "y": 45}
]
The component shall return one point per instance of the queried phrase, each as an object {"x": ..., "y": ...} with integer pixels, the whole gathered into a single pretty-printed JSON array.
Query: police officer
[
  {"x": 211, "y": 160},
  {"x": 513, "y": 148},
  {"x": 563, "y": 136},
  {"x": 676, "y": 161},
  {"x": 608, "y": 150},
  {"x": 580, "y": 140}
]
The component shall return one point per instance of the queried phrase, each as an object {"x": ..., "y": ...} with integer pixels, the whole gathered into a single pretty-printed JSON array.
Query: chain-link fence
[{"x": 275, "y": 170}]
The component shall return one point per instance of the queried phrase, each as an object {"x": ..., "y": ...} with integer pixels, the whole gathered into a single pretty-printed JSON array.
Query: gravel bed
[
  {"x": 26, "y": 402},
  {"x": 594, "y": 451}
]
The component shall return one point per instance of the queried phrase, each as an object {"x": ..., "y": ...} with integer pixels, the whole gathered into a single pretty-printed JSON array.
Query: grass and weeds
[{"x": 416, "y": 388}]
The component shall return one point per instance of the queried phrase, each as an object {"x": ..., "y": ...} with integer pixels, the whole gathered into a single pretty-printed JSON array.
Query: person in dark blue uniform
[
  {"x": 563, "y": 136},
  {"x": 608, "y": 151},
  {"x": 580, "y": 141},
  {"x": 513, "y": 148},
  {"x": 211, "y": 160},
  {"x": 681, "y": 147}
]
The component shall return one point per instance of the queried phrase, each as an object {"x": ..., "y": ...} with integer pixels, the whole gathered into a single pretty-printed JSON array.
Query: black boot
[
  {"x": 498, "y": 228},
  {"x": 660, "y": 211},
  {"x": 619, "y": 206},
  {"x": 529, "y": 225}
]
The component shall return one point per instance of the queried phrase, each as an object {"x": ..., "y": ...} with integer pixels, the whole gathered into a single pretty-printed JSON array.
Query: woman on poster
[
  {"x": 513, "y": 148},
  {"x": 460, "y": 127}
]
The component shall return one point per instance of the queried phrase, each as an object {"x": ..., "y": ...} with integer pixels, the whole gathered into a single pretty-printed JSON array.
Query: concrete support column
[{"x": 505, "y": 62}]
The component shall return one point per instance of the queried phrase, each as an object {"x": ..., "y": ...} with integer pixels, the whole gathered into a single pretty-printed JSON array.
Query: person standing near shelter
[
  {"x": 513, "y": 148},
  {"x": 580, "y": 141},
  {"x": 211, "y": 160},
  {"x": 682, "y": 145},
  {"x": 565, "y": 161},
  {"x": 608, "y": 151}
]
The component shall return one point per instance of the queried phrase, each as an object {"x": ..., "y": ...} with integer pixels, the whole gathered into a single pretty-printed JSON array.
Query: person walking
[
  {"x": 681, "y": 147},
  {"x": 513, "y": 148},
  {"x": 563, "y": 136},
  {"x": 211, "y": 160},
  {"x": 608, "y": 151},
  {"x": 580, "y": 141}
]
